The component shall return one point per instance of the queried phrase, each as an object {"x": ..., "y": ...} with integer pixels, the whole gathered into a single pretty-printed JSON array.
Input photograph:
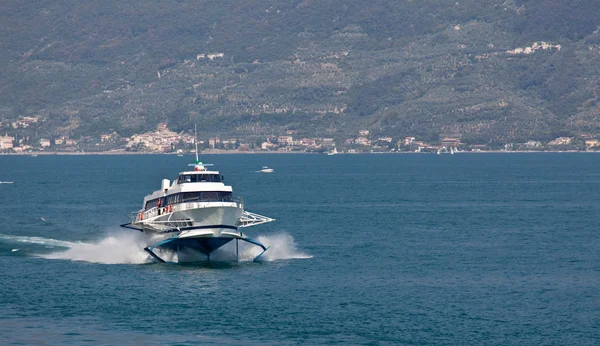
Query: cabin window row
[
  {"x": 182, "y": 197},
  {"x": 199, "y": 178}
]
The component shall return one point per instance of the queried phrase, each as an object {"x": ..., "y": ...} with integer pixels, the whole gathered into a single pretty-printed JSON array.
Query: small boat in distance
[
  {"x": 332, "y": 152},
  {"x": 179, "y": 152},
  {"x": 266, "y": 169}
]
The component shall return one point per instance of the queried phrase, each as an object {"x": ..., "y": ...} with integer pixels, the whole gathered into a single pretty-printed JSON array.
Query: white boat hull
[{"x": 194, "y": 220}]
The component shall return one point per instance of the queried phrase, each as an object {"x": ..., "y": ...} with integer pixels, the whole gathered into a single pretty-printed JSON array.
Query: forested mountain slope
[{"x": 482, "y": 70}]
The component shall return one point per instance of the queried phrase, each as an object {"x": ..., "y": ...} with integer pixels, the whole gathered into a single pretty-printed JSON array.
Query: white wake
[
  {"x": 128, "y": 248},
  {"x": 35, "y": 240},
  {"x": 118, "y": 248},
  {"x": 282, "y": 246}
]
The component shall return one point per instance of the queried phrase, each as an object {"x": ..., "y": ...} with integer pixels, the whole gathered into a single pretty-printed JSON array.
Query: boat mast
[
  {"x": 198, "y": 166},
  {"x": 196, "y": 142}
]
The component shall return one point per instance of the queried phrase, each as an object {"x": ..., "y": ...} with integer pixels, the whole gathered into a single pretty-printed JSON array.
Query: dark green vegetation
[{"x": 324, "y": 68}]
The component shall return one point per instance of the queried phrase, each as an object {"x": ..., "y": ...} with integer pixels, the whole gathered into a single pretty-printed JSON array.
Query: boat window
[
  {"x": 191, "y": 196},
  {"x": 172, "y": 199},
  {"x": 151, "y": 204},
  {"x": 199, "y": 178},
  {"x": 209, "y": 178},
  {"x": 207, "y": 196}
]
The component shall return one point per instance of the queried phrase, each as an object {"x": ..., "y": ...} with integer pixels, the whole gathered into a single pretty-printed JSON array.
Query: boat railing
[
  {"x": 252, "y": 219},
  {"x": 157, "y": 211},
  {"x": 134, "y": 216}
]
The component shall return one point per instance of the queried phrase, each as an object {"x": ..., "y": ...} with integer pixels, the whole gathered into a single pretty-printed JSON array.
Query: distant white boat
[
  {"x": 332, "y": 152},
  {"x": 266, "y": 169},
  {"x": 179, "y": 152},
  {"x": 6, "y": 182}
]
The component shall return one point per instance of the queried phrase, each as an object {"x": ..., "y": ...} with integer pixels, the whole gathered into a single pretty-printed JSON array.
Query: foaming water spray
[
  {"x": 113, "y": 249},
  {"x": 128, "y": 248},
  {"x": 117, "y": 248},
  {"x": 282, "y": 246}
]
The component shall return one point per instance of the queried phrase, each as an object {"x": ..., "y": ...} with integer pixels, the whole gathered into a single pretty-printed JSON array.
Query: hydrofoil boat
[{"x": 196, "y": 211}]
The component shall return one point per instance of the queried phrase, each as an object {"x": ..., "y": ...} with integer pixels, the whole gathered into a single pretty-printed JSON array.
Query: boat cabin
[
  {"x": 199, "y": 177},
  {"x": 185, "y": 190}
]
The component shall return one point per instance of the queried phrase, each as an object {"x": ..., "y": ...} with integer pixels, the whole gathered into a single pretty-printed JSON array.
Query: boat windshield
[{"x": 199, "y": 178}]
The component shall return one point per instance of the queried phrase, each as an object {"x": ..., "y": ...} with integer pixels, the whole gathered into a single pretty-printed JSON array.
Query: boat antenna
[
  {"x": 198, "y": 166},
  {"x": 196, "y": 142}
]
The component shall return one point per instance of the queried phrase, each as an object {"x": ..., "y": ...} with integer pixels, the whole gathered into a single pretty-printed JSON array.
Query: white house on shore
[{"x": 6, "y": 142}]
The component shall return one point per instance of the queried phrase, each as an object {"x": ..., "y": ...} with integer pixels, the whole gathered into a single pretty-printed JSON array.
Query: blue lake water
[{"x": 367, "y": 249}]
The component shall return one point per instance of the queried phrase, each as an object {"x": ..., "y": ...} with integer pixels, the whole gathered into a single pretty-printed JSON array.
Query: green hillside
[{"x": 487, "y": 71}]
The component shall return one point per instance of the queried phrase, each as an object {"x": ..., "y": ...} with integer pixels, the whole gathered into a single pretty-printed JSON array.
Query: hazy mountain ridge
[{"x": 426, "y": 68}]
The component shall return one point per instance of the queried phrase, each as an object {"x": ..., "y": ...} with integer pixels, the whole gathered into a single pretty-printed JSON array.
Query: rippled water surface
[{"x": 366, "y": 249}]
